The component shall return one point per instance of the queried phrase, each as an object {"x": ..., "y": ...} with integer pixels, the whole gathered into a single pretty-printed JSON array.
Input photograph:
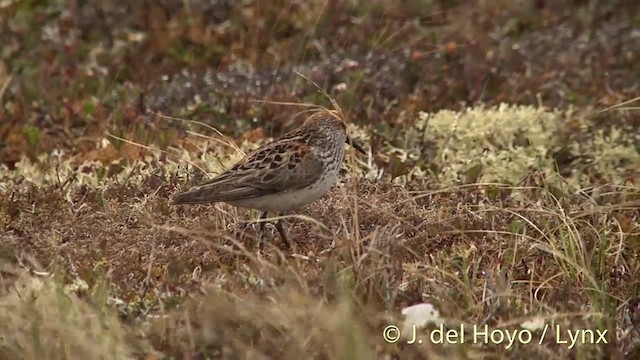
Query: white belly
[{"x": 290, "y": 200}]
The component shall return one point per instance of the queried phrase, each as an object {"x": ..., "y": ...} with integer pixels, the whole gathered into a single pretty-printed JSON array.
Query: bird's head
[{"x": 328, "y": 124}]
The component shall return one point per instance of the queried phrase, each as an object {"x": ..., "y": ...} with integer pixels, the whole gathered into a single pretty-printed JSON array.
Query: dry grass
[
  {"x": 517, "y": 218},
  {"x": 137, "y": 277},
  {"x": 43, "y": 319}
]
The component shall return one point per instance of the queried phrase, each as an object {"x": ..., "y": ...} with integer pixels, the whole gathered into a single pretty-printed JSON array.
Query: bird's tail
[
  {"x": 192, "y": 196},
  {"x": 213, "y": 192}
]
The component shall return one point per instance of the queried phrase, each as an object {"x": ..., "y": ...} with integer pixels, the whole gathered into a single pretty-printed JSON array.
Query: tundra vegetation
[{"x": 501, "y": 191}]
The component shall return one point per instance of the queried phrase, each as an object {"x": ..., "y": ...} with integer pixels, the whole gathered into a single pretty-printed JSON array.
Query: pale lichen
[{"x": 508, "y": 142}]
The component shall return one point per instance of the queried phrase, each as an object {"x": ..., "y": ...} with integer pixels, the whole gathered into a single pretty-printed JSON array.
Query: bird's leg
[
  {"x": 240, "y": 228},
  {"x": 262, "y": 225},
  {"x": 283, "y": 235}
]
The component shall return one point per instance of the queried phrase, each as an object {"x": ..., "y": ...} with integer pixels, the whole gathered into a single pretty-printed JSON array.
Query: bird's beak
[{"x": 356, "y": 146}]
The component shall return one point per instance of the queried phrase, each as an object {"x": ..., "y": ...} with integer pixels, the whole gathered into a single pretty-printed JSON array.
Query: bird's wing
[{"x": 276, "y": 167}]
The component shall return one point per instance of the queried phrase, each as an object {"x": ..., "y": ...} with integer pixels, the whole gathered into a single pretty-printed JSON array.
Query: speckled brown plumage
[{"x": 283, "y": 175}]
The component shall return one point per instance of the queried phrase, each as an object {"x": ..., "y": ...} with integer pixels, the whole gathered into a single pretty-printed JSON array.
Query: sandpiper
[{"x": 283, "y": 175}]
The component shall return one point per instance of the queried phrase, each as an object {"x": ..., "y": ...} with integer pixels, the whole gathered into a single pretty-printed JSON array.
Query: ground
[{"x": 500, "y": 189}]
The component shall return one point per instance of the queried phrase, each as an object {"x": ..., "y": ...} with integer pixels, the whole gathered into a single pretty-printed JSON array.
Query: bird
[{"x": 283, "y": 175}]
